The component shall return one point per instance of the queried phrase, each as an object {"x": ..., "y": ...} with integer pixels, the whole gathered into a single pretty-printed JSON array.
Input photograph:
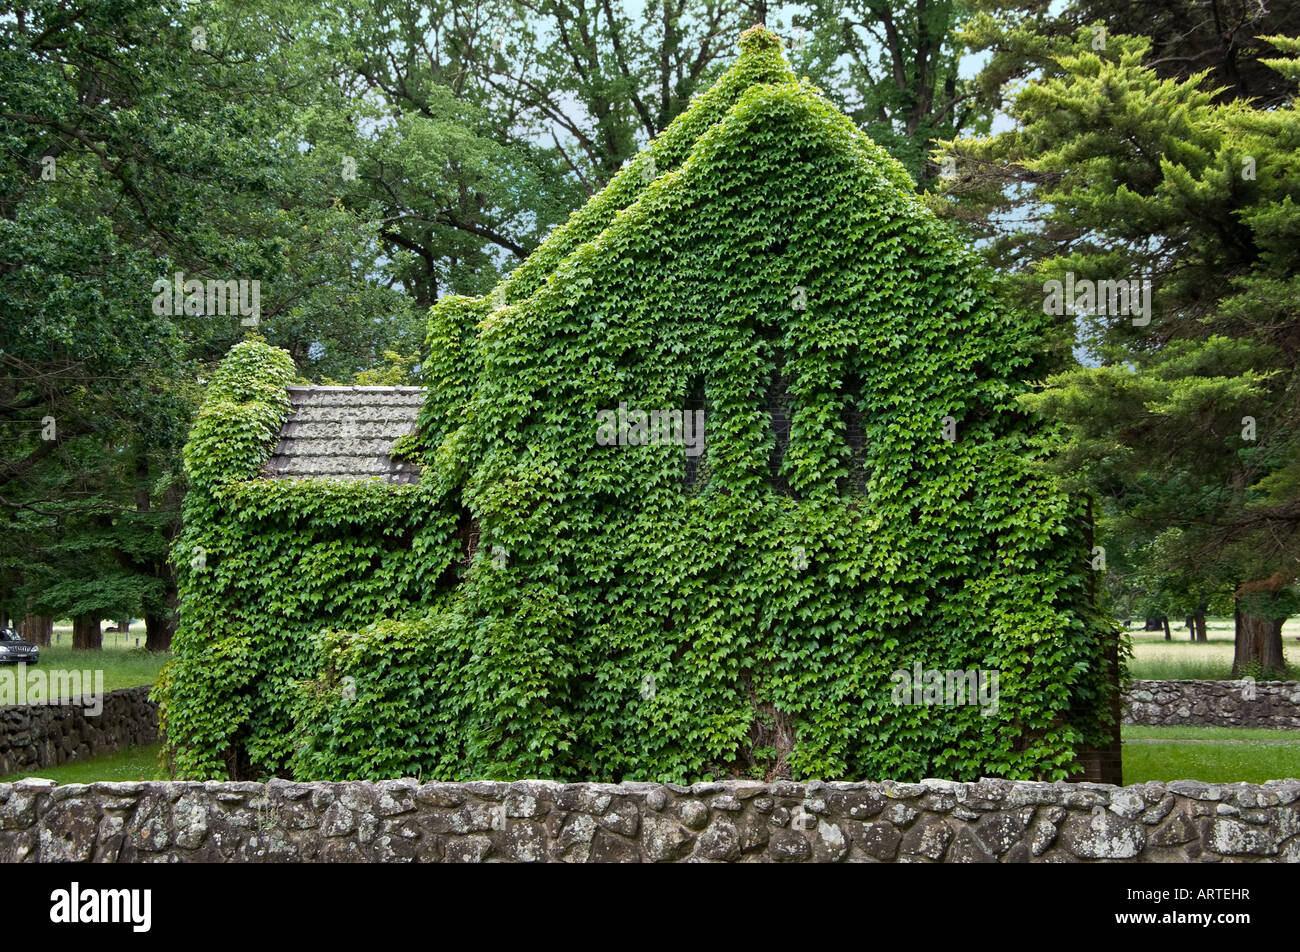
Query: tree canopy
[{"x": 1184, "y": 418}]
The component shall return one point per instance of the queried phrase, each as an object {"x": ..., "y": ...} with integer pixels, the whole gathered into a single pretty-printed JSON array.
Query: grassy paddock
[
  {"x": 1210, "y": 754},
  {"x": 1157, "y": 659},
  {"x": 1264, "y": 734},
  {"x": 113, "y": 640},
  {"x": 124, "y": 665},
  {"x": 134, "y": 763},
  {"x": 122, "y": 668}
]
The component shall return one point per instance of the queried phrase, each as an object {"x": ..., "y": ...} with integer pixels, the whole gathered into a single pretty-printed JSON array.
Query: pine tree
[{"x": 1185, "y": 418}]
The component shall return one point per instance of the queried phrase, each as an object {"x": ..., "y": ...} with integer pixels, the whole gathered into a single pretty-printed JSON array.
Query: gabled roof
[{"x": 346, "y": 433}]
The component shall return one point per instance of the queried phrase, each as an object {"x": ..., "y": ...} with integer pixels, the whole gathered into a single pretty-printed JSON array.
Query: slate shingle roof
[{"x": 346, "y": 433}]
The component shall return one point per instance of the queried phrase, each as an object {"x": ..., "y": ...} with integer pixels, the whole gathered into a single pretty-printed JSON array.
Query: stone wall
[
  {"x": 39, "y": 735},
  {"x": 539, "y": 821},
  {"x": 1213, "y": 704}
]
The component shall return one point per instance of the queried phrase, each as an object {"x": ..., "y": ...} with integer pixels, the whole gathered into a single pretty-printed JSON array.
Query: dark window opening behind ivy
[
  {"x": 696, "y": 470},
  {"x": 778, "y": 412},
  {"x": 851, "y": 413}
]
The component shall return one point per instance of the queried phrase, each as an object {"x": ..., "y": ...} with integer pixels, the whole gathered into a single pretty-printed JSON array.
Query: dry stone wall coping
[
  {"x": 47, "y": 735},
  {"x": 1241, "y": 703},
  {"x": 733, "y": 821}
]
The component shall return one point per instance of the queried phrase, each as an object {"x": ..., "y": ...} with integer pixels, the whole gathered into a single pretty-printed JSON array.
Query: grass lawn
[
  {"x": 136, "y": 763},
  {"x": 1155, "y": 658},
  {"x": 123, "y": 668},
  {"x": 112, "y": 639},
  {"x": 1210, "y": 754},
  {"x": 1211, "y": 733},
  {"x": 124, "y": 665}
]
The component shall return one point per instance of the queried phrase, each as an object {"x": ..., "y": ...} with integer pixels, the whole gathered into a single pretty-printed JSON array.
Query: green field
[
  {"x": 123, "y": 668},
  {"x": 136, "y": 763},
  {"x": 1210, "y": 754},
  {"x": 124, "y": 665},
  {"x": 112, "y": 639},
  {"x": 1153, "y": 657}
]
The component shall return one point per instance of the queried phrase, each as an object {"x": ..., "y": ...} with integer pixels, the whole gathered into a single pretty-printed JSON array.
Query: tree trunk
[
  {"x": 1258, "y": 644},
  {"x": 159, "y": 630},
  {"x": 160, "y": 626},
  {"x": 86, "y": 634},
  {"x": 1190, "y": 625},
  {"x": 1153, "y": 623},
  {"x": 1258, "y": 634},
  {"x": 1169, "y": 635},
  {"x": 1202, "y": 634},
  {"x": 38, "y": 629}
]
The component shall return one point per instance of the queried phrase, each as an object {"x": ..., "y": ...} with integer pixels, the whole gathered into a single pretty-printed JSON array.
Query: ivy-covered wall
[
  {"x": 267, "y": 565},
  {"x": 544, "y": 605}
]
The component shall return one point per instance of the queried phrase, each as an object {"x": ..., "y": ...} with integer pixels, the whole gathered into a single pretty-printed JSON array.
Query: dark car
[{"x": 13, "y": 649}]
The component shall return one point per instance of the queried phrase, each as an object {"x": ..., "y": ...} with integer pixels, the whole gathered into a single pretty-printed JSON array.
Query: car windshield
[{"x": 8, "y": 634}]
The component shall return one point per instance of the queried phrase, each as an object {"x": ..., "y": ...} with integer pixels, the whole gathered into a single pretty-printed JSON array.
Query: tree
[
  {"x": 1221, "y": 39},
  {"x": 601, "y": 79},
  {"x": 486, "y": 124},
  {"x": 1184, "y": 415},
  {"x": 145, "y": 140},
  {"x": 894, "y": 69}
]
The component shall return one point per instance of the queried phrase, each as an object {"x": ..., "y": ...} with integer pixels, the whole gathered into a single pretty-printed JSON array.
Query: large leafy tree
[
  {"x": 143, "y": 139},
  {"x": 600, "y": 77},
  {"x": 1223, "y": 39},
  {"x": 894, "y": 68},
  {"x": 456, "y": 190},
  {"x": 482, "y": 125},
  {"x": 1188, "y": 418}
]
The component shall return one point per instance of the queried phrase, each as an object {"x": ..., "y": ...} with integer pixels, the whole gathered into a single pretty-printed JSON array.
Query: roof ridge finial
[{"x": 758, "y": 37}]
